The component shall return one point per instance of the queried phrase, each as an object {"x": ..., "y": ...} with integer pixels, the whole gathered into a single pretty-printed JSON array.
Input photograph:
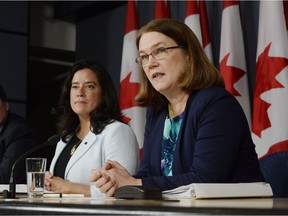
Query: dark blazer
[
  {"x": 214, "y": 144},
  {"x": 16, "y": 138}
]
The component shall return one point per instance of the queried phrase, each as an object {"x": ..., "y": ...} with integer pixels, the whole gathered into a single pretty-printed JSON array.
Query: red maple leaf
[
  {"x": 128, "y": 92},
  {"x": 126, "y": 119},
  {"x": 230, "y": 75},
  {"x": 267, "y": 68}
]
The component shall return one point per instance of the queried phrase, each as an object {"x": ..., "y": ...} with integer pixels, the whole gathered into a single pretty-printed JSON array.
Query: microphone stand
[{"x": 11, "y": 194}]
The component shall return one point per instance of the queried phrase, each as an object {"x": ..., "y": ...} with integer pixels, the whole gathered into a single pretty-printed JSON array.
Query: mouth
[
  {"x": 80, "y": 102},
  {"x": 157, "y": 76}
]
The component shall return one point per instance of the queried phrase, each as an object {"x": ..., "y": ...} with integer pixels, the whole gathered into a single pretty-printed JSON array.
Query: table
[{"x": 111, "y": 206}]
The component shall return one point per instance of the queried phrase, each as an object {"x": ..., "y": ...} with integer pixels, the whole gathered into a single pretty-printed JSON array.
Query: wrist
[
  {"x": 139, "y": 182},
  {"x": 68, "y": 187}
]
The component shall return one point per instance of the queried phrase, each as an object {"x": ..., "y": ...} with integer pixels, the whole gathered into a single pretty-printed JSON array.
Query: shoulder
[
  {"x": 118, "y": 128},
  {"x": 116, "y": 125},
  {"x": 16, "y": 122},
  {"x": 215, "y": 101},
  {"x": 212, "y": 95},
  {"x": 213, "y": 92},
  {"x": 118, "y": 132},
  {"x": 16, "y": 129}
]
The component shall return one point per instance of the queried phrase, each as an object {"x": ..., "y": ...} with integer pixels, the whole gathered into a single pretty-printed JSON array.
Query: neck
[
  {"x": 84, "y": 129},
  {"x": 177, "y": 105}
]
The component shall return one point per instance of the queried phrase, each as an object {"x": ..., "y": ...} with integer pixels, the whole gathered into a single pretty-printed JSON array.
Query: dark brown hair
[
  {"x": 200, "y": 74},
  {"x": 107, "y": 112}
]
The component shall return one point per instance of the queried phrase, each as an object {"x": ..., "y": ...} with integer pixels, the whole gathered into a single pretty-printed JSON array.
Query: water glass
[{"x": 35, "y": 170}]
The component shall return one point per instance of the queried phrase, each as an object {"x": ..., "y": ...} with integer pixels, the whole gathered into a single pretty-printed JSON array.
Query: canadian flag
[
  {"x": 196, "y": 19},
  {"x": 232, "y": 56},
  {"x": 270, "y": 119},
  {"x": 130, "y": 76},
  {"x": 193, "y": 18},
  {"x": 205, "y": 30},
  {"x": 162, "y": 9}
]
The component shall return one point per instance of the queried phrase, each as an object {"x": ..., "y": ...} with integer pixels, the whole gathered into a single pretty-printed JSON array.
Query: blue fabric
[
  {"x": 275, "y": 170},
  {"x": 170, "y": 136},
  {"x": 214, "y": 144}
]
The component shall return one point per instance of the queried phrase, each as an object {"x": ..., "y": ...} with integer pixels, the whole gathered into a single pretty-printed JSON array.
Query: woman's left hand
[{"x": 56, "y": 184}]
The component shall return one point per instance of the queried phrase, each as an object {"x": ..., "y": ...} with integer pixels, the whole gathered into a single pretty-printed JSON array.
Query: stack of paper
[
  {"x": 219, "y": 190},
  {"x": 20, "y": 188}
]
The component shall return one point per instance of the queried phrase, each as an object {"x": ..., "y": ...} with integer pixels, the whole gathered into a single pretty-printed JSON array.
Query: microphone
[{"x": 12, "y": 186}]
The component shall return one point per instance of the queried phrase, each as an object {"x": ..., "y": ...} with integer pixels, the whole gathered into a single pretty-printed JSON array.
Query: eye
[
  {"x": 74, "y": 87},
  {"x": 90, "y": 86},
  {"x": 144, "y": 58},
  {"x": 159, "y": 51}
]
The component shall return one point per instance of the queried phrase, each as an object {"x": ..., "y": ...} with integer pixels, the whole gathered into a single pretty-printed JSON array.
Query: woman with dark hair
[
  {"x": 196, "y": 131},
  {"x": 91, "y": 131}
]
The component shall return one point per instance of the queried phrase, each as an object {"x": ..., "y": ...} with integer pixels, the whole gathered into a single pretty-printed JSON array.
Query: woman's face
[
  {"x": 163, "y": 74},
  {"x": 85, "y": 93}
]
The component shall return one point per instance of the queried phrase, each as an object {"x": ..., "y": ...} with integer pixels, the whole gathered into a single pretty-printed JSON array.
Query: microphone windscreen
[{"x": 53, "y": 139}]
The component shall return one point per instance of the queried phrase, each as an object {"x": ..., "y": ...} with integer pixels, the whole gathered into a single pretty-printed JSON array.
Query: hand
[
  {"x": 102, "y": 180},
  {"x": 96, "y": 173},
  {"x": 56, "y": 184},
  {"x": 112, "y": 176},
  {"x": 105, "y": 183}
]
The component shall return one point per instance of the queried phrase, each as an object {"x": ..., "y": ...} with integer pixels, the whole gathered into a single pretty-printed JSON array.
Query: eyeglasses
[{"x": 157, "y": 54}]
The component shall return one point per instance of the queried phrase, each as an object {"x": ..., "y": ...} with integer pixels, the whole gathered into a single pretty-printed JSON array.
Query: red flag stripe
[
  {"x": 191, "y": 8},
  {"x": 162, "y": 9},
  {"x": 204, "y": 24},
  {"x": 229, "y": 3},
  {"x": 131, "y": 17}
]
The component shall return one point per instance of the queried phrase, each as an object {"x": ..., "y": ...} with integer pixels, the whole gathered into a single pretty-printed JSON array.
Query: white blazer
[{"x": 116, "y": 142}]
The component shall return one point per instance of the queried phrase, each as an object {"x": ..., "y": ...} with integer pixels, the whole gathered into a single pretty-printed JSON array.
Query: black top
[{"x": 65, "y": 156}]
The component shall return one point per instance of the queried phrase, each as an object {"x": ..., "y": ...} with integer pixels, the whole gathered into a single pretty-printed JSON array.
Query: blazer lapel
[
  {"x": 84, "y": 146},
  {"x": 60, "y": 146}
]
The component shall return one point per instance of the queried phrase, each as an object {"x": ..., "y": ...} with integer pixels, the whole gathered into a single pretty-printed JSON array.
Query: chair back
[{"x": 275, "y": 170}]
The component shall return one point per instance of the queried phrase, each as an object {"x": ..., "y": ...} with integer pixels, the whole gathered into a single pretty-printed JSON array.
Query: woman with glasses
[{"x": 196, "y": 131}]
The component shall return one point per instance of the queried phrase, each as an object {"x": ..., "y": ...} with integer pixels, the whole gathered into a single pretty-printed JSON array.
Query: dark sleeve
[
  {"x": 17, "y": 140},
  {"x": 144, "y": 164},
  {"x": 215, "y": 135}
]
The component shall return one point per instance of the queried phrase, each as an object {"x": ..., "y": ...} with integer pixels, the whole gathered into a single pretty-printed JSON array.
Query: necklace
[
  {"x": 73, "y": 149},
  {"x": 170, "y": 111},
  {"x": 75, "y": 146},
  {"x": 179, "y": 107}
]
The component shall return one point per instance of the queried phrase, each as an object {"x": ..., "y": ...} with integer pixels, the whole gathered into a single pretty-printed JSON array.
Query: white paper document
[
  {"x": 220, "y": 190},
  {"x": 20, "y": 188}
]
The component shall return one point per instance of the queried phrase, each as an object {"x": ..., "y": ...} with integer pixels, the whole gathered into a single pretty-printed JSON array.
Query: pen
[{"x": 60, "y": 195}]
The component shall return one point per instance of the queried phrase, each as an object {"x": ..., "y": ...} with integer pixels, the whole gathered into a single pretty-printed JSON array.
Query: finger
[
  {"x": 107, "y": 165},
  {"x": 47, "y": 185},
  {"x": 48, "y": 174},
  {"x": 102, "y": 181},
  {"x": 111, "y": 191},
  {"x": 107, "y": 187},
  {"x": 95, "y": 175},
  {"x": 115, "y": 164}
]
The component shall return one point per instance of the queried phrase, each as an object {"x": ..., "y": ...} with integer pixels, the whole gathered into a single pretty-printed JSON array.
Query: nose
[
  {"x": 152, "y": 62},
  {"x": 80, "y": 92}
]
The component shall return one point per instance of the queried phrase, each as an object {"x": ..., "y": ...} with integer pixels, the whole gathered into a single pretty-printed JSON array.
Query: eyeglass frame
[{"x": 165, "y": 51}]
